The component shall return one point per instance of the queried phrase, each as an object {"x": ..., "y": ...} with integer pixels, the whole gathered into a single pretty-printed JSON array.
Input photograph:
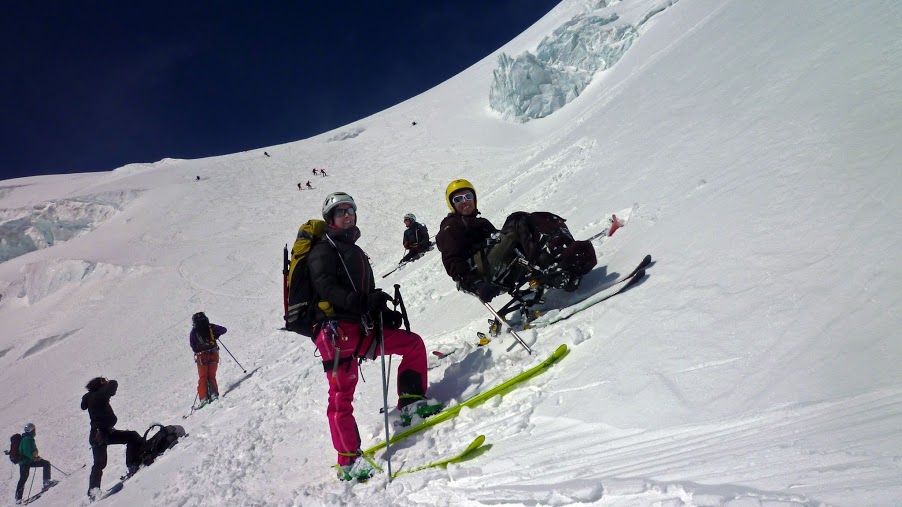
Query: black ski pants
[
  {"x": 25, "y": 468},
  {"x": 100, "y": 439},
  {"x": 415, "y": 253}
]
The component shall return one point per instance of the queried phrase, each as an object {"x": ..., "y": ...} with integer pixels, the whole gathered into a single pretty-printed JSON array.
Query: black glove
[
  {"x": 360, "y": 302},
  {"x": 355, "y": 302},
  {"x": 392, "y": 319},
  {"x": 376, "y": 300},
  {"x": 485, "y": 291}
]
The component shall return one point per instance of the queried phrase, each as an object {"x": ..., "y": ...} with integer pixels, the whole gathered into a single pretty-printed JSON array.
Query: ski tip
[
  {"x": 561, "y": 351},
  {"x": 638, "y": 276}
]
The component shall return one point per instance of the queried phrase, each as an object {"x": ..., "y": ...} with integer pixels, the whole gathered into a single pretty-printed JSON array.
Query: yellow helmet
[{"x": 454, "y": 186}]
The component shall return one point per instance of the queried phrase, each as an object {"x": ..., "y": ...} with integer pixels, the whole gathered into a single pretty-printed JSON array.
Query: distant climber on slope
[
  {"x": 30, "y": 458},
  {"x": 103, "y": 433},
  {"x": 203, "y": 337},
  {"x": 416, "y": 238}
]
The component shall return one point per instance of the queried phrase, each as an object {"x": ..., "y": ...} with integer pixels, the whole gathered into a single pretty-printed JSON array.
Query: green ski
[
  {"x": 467, "y": 454},
  {"x": 452, "y": 412}
]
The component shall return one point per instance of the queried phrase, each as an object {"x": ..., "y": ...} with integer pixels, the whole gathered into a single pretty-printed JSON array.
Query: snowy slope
[{"x": 752, "y": 146}]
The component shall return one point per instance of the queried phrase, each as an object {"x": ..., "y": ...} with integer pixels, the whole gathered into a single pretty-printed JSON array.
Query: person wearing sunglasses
[
  {"x": 416, "y": 239},
  {"x": 483, "y": 260},
  {"x": 349, "y": 306},
  {"x": 462, "y": 235}
]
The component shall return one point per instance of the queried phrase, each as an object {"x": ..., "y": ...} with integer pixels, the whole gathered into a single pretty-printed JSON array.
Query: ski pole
[
  {"x": 193, "y": 404},
  {"x": 400, "y": 301},
  {"x": 233, "y": 357},
  {"x": 509, "y": 328},
  {"x": 32, "y": 483},
  {"x": 381, "y": 337},
  {"x": 60, "y": 471}
]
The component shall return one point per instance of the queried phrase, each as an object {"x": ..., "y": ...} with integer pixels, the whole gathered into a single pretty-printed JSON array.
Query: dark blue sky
[{"x": 91, "y": 85}]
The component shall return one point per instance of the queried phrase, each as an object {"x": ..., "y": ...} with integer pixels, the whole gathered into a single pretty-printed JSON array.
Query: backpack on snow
[
  {"x": 13, "y": 451},
  {"x": 163, "y": 440},
  {"x": 547, "y": 240},
  {"x": 299, "y": 294}
]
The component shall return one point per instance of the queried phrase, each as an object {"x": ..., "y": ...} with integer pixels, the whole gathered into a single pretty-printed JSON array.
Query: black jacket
[
  {"x": 330, "y": 279},
  {"x": 459, "y": 238},
  {"x": 97, "y": 403},
  {"x": 416, "y": 236},
  {"x": 205, "y": 342}
]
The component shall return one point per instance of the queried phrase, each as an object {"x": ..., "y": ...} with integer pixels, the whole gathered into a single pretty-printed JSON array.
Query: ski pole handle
[{"x": 400, "y": 301}]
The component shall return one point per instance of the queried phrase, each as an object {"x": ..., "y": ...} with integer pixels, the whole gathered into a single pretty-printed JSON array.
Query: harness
[{"x": 336, "y": 334}]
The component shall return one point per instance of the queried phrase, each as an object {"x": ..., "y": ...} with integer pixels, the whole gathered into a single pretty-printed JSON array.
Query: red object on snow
[{"x": 614, "y": 225}]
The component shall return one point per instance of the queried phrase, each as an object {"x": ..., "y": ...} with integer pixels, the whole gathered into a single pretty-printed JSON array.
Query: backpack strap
[
  {"x": 364, "y": 320},
  {"x": 152, "y": 426}
]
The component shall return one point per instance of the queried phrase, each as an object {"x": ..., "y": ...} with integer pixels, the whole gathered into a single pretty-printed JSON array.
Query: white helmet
[
  {"x": 29, "y": 427},
  {"x": 411, "y": 217},
  {"x": 333, "y": 200}
]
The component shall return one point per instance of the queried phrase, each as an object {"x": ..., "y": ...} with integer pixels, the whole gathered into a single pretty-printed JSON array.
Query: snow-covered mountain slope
[{"x": 753, "y": 148}]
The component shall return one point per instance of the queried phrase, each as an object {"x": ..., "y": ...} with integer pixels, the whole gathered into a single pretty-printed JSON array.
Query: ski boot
[
  {"x": 360, "y": 470},
  {"x": 494, "y": 327},
  {"x": 420, "y": 409}
]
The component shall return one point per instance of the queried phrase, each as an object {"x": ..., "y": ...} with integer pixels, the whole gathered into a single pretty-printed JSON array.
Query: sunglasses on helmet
[
  {"x": 463, "y": 197},
  {"x": 340, "y": 212}
]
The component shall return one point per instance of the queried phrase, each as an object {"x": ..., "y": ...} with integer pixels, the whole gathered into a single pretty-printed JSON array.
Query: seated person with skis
[
  {"x": 416, "y": 238},
  {"x": 535, "y": 248},
  {"x": 348, "y": 313}
]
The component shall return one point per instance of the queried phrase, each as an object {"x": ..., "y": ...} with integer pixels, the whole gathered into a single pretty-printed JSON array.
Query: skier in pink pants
[{"x": 349, "y": 303}]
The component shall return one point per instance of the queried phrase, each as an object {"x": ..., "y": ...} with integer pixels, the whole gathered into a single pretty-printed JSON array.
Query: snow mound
[
  {"x": 5, "y": 190},
  {"x": 43, "y": 279},
  {"x": 25, "y": 230},
  {"x": 45, "y": 343},
  {"x": 142, "y": 167},
  {"x": 347, "y": 134},
  {"x": 533, "y": 86}
]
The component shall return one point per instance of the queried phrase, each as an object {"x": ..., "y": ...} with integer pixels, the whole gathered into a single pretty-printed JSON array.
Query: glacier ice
[
  {"x": 24, "y": 230},
  {"x": 533, "y": 86}
]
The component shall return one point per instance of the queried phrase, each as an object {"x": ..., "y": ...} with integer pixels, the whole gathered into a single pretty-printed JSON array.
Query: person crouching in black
[{"x": 97, "y": 402}]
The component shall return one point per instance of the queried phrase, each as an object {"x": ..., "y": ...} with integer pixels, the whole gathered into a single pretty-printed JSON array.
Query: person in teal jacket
[{"x": 28, "y": 450}]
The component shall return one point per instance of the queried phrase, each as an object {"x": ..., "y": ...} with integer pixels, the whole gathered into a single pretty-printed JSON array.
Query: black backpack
[
  {"x": 547, "y": 240},
  {"x": 163, "y": 440},
  {"x": 203, "y": 330},
  {"x": 13, "y": 452}
]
